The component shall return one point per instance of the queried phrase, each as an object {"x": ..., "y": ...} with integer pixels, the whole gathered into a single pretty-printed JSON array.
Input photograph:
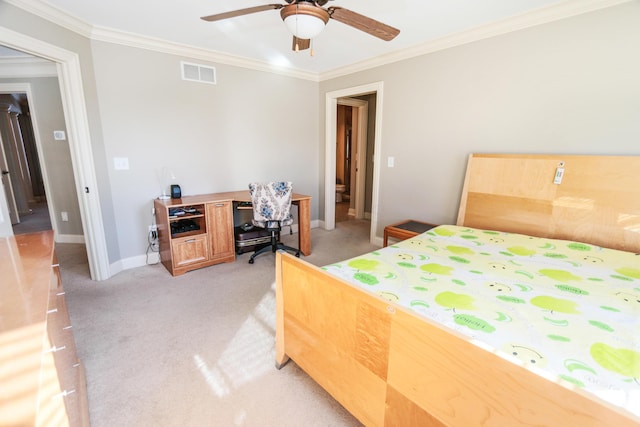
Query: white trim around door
[{"x": 331, "y": 108}]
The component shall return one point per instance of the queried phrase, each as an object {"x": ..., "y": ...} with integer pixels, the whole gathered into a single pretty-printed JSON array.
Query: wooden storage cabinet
[
  {"x": 69, "y": 368},
  {"x": 221, "y": 239},
  {"x": 194, "y": 235},
  {"x": 189, "y": 250},
  {"x": 42, "y": 381}
]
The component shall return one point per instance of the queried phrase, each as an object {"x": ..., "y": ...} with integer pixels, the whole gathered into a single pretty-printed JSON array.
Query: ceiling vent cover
[{"x": 198, "y": 73}]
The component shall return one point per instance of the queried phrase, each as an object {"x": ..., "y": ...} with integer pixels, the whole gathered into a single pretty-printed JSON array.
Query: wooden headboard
[{"x": 597, "y": 200}]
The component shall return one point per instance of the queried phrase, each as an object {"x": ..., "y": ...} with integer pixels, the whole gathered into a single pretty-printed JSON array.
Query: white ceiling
[{"x": 263, "y": 38}]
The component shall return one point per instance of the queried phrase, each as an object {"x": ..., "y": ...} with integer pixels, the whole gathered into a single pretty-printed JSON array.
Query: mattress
[{"x": 568, "y": 311}]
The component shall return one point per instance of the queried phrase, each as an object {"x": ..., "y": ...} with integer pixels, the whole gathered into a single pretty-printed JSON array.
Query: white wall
[{"x": 570, "y": 86}]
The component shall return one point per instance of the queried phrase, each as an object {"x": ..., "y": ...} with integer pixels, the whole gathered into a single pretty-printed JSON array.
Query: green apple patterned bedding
[{"x": 563, "y": 308}]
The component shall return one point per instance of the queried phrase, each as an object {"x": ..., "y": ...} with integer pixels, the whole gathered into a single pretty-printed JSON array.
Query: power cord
[{"x": 153, "y": 246}]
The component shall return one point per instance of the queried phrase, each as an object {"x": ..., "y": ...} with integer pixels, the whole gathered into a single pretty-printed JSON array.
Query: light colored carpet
[{"x": 196, "y": 350}]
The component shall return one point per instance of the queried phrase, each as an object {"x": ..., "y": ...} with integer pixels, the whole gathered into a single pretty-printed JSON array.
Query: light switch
[
  {"x": 390, "y": 161},
  {"x": 121, "y": 163}
]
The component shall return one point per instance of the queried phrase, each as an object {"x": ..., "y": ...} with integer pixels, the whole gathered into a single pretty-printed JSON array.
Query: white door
[
  {"x": 8, "y": 201},
  {"x": 5, "y": 222}
]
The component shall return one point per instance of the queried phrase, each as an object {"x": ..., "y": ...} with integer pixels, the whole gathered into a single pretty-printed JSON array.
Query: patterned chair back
[{"x": 271, "y": 203}]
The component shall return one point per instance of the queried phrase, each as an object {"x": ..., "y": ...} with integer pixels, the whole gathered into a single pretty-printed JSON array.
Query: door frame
[
  {"x": 331, "y": 112},
  {"x": 79, "y": 137}
]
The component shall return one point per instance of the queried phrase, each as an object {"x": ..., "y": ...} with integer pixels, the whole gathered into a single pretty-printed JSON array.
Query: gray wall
[
  {"x": 250, "y": 126},
  {"x": 570, "y": 86},
  {"x": 30, "y": 25}
]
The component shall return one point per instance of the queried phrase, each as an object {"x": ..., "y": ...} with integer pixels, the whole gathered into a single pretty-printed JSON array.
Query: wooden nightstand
[{"x": 405, "y": 229}]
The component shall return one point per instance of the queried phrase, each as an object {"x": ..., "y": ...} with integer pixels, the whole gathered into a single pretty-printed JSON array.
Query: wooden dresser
[{"x": 42, "y": 381}]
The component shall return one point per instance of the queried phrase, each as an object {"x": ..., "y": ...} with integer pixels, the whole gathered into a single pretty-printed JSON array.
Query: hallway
[{"x": 38, "y": 220}]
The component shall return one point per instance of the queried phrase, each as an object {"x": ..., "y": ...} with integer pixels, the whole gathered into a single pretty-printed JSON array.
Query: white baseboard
[
  {"x": 141, "y": 260},
  {"x": 69, "y": 238},
  {"x": 133, "y": 262}
]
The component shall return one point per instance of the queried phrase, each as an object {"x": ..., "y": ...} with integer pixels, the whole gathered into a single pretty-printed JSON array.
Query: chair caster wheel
[
  {"x": 297, "y": 254},
  {"x": 250, "y": 261}
]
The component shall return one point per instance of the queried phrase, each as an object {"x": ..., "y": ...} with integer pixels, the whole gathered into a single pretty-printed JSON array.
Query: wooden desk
[
  {"x": 213, "y": 241},
  {"x": 304, "y": 216}
]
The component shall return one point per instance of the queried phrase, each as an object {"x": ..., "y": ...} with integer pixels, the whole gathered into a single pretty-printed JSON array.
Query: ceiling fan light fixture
[{"x": 304, "y": 21}]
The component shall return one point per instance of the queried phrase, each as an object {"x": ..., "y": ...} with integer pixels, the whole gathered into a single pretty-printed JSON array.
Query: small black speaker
[{"x": 176, "y": 193}]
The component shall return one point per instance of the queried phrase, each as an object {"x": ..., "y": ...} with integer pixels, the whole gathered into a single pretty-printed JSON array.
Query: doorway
[
  {"x": 79, "y": 137},
  {"x": 331, "y": 108},
  {"x": 26, "y": 195},
  {"x": 344, "y": 154},
  {"x": 352, "y": 143}
]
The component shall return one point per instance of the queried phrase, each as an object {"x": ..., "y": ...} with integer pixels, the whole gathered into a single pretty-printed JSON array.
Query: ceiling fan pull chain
[
  {"x": 311, "y": 48},
  {"x": 297, "y": 27}
]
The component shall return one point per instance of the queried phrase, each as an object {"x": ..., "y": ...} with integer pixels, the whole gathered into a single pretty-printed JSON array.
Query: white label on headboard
[{"x": 559, "y": 173}]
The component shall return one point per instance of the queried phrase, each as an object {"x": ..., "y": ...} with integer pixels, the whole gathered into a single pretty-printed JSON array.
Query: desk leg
[{"x": 304, "y": 226}]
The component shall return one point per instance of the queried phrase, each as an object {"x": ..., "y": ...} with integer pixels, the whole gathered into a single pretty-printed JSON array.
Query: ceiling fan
[{"x": 306, "y": 19}]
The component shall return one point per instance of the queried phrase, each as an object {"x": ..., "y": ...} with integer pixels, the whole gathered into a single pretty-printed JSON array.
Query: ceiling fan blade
[
  {"x": 240, "y": 12},
  {"x": 302, "y": 44},
  {"x": 363, "y": 23}
]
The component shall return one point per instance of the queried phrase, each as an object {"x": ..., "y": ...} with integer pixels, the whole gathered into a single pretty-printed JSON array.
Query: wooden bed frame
[{"x": 389, "y": 367}]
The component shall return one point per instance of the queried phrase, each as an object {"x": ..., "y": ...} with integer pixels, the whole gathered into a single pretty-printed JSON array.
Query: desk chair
[{"x": 271, "y": 211}]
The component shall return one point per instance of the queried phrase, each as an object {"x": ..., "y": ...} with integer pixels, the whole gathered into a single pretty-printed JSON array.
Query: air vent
[{"x": 198, "y": 73}]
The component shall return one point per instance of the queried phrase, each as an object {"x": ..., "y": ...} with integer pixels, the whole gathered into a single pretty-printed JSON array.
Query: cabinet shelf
[
  {"x": 186, "y": 234},
  {"x": 186, "y": 216}
]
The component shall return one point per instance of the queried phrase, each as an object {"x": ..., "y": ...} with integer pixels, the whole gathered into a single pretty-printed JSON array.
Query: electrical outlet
[{"x": 153, "y": 231}]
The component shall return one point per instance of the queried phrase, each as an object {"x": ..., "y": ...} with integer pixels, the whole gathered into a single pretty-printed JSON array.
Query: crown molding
[
  {"x": 540, "y": 16},
  {"x": 30, "y": 66},
  {"x": 108, "y": 35},
  {"x": 54, "y": 15}
]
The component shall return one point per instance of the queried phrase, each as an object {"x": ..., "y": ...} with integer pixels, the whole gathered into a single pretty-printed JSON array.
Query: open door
[
  {"x": 360, "y": 114},
  {"x": 7, "y": 201},
  {"x": 5, "y": 222}
]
